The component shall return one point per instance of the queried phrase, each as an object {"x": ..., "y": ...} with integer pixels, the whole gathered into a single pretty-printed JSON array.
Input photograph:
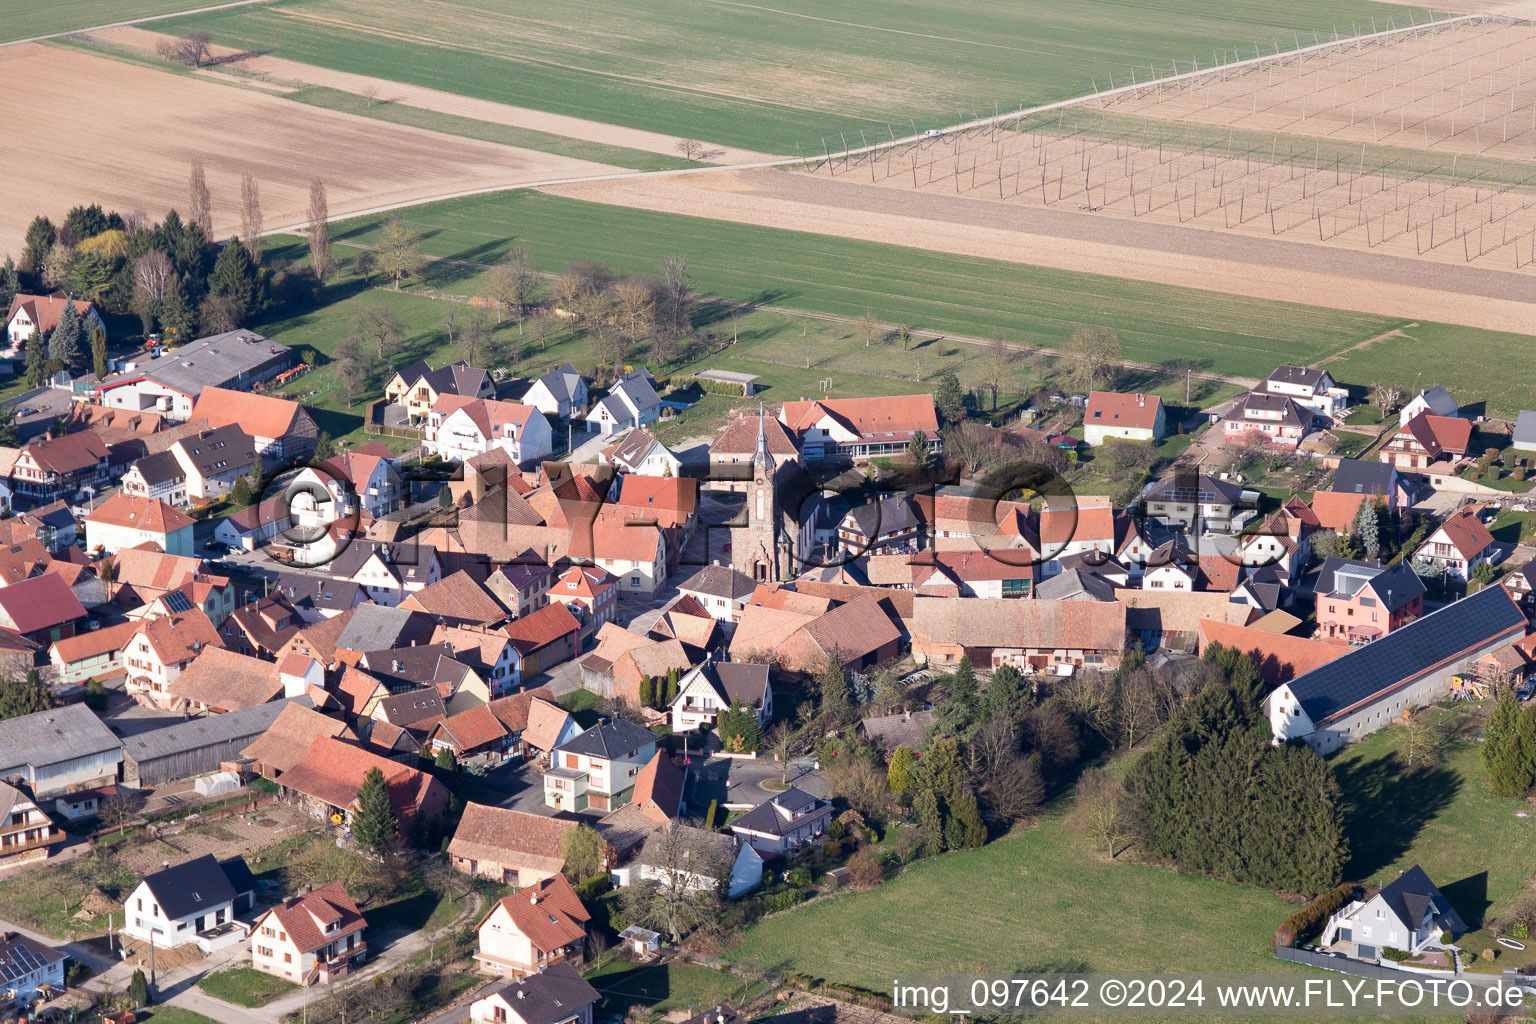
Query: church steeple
[{"x": 762, "y": 459}]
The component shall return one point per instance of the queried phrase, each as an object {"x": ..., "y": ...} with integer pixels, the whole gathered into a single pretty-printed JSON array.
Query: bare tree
[
  {"x": 56, "y": 264},
  {"x": 250, "y": 216},
  {"x": 379, "y": 326},
  {"x": 869, "y": 327},
  {"x": 151, "y": 273},
  {"x": 634, "y": 308},
  {"x": 321, "y": 263},
  {"x": 690, "y": 148},
  {"x": 1102, "y": 810},
  {"x": 995, "y": 368},
  {"x": 219, "y": 313},
  {"x": 514, "y": 284},
  {"x": 351, "y": 367},
  {"x": 1095, "y": 354},
  {"x": 677, "y": 312},
  {"x": 199, "y": 200},
  {"x": 192, "y": 49},
  {"x": 782, "y": 742},
  {"x": 1419, "y": 741},
  {"x": 121, "y": 808},
  {"x": 1386, "y": 397},
  {"x": 474, "y": 334},
  {"x": 676, "y": 890},
  {"x": 399, "y": 250}
]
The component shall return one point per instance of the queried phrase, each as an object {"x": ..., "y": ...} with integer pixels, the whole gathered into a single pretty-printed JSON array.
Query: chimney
[
  {"x": 1141, "y": 400},
  {"x": 165, "y": 865}
]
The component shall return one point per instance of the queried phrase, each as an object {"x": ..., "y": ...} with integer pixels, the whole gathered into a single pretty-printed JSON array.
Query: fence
[{"x": 1343, "y": 965}]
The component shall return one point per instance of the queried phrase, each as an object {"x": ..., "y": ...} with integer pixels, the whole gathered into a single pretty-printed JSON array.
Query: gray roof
[
  {"x": 1525, "y": 427},
  {"x": 219, "y": 450},
  {"x": 886, "y": 516},
  {"x": 1074, "y": 583},
  {"x": 1385, "y": 664},
  {"x": 554, "y": 994},
  {"x": 699, "y": 847},
  {"x": 303, "y": 591},
  {"x": 561, "y": 382},
  {"x": 1440, "y": 401},
  {"x": 401, "y": 667},
  {"x": 636, "y": 385},
  {"x": 1411, "y": 893},
  {"x": 766, "y": 816},
  {"x": 635, "y": 446},
  {"x": 408, "y": 561},
  {"x": 455, "y": 379},
  {"x": 905, "y": 729},
  {"x": 377, "y": 627},
  {"x": 1357, "y": 476},
  {"x": 198, "y": 886},
  {"x": 1300, "y": 376},
  {"x": 1393, "y": 585},
  {"x": 719, "y": 581},
  {"x": 48, "y": 737},
  {"x": 159, "y": 468},
  {"x": 610, "y": 738},
  {"x": 1187, "y": 486},
  {"x": 246, "y": 723},
  {"x": 1291, "y": 414},
  {"x": 413, "y": 706},
  {"x": 214, "y": 361},
  {"x": 737, "y": 680},
  {"x": 21, "y": 956}
]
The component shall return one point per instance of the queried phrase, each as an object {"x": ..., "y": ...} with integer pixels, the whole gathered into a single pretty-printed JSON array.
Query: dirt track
[
  {"x": 86, "y": 145},
  {"x": 1070, "y": 240},
  {"x": 279, "y": 70}
]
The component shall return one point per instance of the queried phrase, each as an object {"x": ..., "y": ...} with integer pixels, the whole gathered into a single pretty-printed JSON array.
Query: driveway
[{"x": 744, "y": 782}]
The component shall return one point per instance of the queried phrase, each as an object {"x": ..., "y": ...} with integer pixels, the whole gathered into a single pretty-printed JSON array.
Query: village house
[
  {"x": 194, "y": 901},
  {"x": 523, "y": 584},
  {"x": 160, "y": 651},
  {"x": 1371, "y": 686},
  {"x": 158, "y": 476},
  {"x": 1436, "y": 401},
  {"x": 458, "y": 429},
  {"x": 861, "y": 428},
  {"x": 589, "y": 593},
  {"x": 173, "y": 383},
  {"x": 457, "y": 600},
  {"x": 195, "y": 746},
  {"x": 27, "y": 833},
  {"x": 522, "y": 725},
  {"x": 541, "y": 640},
  {"x": 219, "y": 681},
  {"x": 386, "y": 572},
  {"x": 1110, "y": 414},
  {"x": 1521, "y": 583},
  {"x": 507, "y": 846},
  {"x": 311, "y": 939},
  {"x": 92, "y": 654},
  {"x": 50, "y": 468},
  {"x": 254, "y": 525},
  {"x": 1407, "y": 914},
  {"x": 210, "y": 461},
  {"x": 639, "y": 452},
  {"x": 631, "y": 403},
  {"x": 59, "y": 750},
  {"x": 1358, "y": 602},
  {"x": 560, "y": 394},
  {"x": 417, "y": 387},
  {"x": 1313, "y": 389},
  {"x": 314, "y": 598},
  {"x": 1459, "y": 545},
  {"x": 123, "y": 521},
  {"x": 28, "y": 970},
  {"x": 325, "y": 780},
  {"x": 283, "y": 431},
  {"x": 709, "y": 689},
  {"x": 881, "y": 526},
  {"x": 1279, "y": 420},
  {"x": 719, "y": 590},
  {"x": 1195, "y": 501},
  {"x": 1040, "y": 636},
  {"x": 42, "y": 608},
  {"x": 681, "y": 857},
  {"x": 361, "y": 481},
  {"x": 633, "y": 551},
  {"x": 38, "y": 315},
  {"x": 730, "y": 453},
  {"x": 556, "y": 995},
  {"x": 282, "y": 744},
  {"x": 1427, "y": 439},
  {"x": 784, "y": 822},
  {"x": 539, "y": 926},
  {"x": 597, "y": 768}
]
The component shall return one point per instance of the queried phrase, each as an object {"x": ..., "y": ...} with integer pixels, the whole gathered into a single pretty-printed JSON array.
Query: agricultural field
[
  {"x": 1467, "y": 363},
  {"x": 934, "y": 293},
  {"x": 177, "y": 118},
  {"x": 26, "y": 19},
  {"x": 767, "y": 78}
]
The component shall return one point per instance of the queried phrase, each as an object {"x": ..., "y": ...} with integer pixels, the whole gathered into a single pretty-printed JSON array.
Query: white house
[
  {"x": 597, "y": 769},
  {"x": 1309, "y": 388},
  {"x": 123, "y": 521},
  {"x": 1110, "y": 414},
  {"x": 26, "y": 832},
  {"x": 30, "y": 314},
  {"x": 26, "y": 967},
  {"x": 631, "y": 403},
  {"x": 212, "y": 460},
  {"x": 1436, "y": 401},
  {"x": 643, "y": 455},
  {"x": 557, "y": 995},
  {"x": 310, "y": 939},
  {"x": 1459, "y": 546},
  {"x": 458, "y": 429},
  {"x": 721, "y": 590},
  {"x": 559, "y": 394},
  {"x": 1408, "y": 913},
  {"x": 709, "y": 688},
  {"x": 539, "y": 926},
  {"x": 784, "y": 822},
  {"x": 158, "y": 476},
  {"x": 175, "y": 905},
  {"x": 680, "y": 856}
]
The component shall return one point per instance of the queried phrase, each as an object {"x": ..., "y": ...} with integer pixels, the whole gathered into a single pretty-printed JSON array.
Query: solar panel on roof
[{"x": 176, "y": 601}]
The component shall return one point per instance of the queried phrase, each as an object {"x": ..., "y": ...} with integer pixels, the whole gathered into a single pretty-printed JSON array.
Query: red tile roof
[
  {"x": 457, "y": 598},
  {"x": 178, "y": 638},
  {"x": 659, "y": 789},
  {"x": 40, "y": 603},
  {"x": 890, "y": 414},
  {"x": 1463, "y": 529},
  {"x": 68, "y": 454},
  {"x": 44, "y": 310},
  {"x": 290, "y": 734},
  {"x": 148, "y": 514},
  {"x": 541, "y": 628},
  {"x": 227, "y": 681},
  {"x": 257, "y": 415},
  {"x": 1336, "y": 511},
  {"x": 1280, "y": 657},
  {"x": 470, "y": 729},
  {"x": 1112, "y": 408},
  {"x": 504, "y": 836},
  {"x": 548, "y": 913},
  {"x": 333, "y": 771},
  {"x": 306, "y": 918}
]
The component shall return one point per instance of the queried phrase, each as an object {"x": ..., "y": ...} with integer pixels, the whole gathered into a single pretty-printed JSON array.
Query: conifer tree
[
  {"x": 930, "y": 822},
  {"x": 1509, "y": 747},
  {"x": 99, "y": 351},
  {"x": 178, "y": 313},
  {"x": 647, "y": 692},
  {"x": 835, "y": 701},
  {"x": 373, "y": 823},
  {"x": 1368, "y": 529},
  {"x": 37, "y": 361},
  {"x": 968, "y": 814},
  {"x": 898, "y": 777},
  {"x": 64, "y": 342}
]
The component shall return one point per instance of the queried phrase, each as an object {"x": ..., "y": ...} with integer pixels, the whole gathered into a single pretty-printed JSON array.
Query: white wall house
[
  {"x": 597, "y": 769},
  {"x": 559, "y": 394},
  {"x": 631, "y": 403},
  {"x": 176, "y": 904},
  {"x": 458, "y": 430},
  {"x": 708, "y": 690},
  {"x": 1309, "y": 388},
  {"x": 1409, "y": 914}
]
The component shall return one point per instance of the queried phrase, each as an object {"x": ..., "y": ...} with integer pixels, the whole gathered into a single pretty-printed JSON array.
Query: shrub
[
  {"x": 709, "y": 817},
  {"x": 836, "y": 830},
  {"x": 800, "y": 878},
  {"x": 1490, "y": 954},
  {"x": 865, "y": 870},
  {"x": 782, "y": 900},
  {"x": 1520, "y": 930},
  {"x": 1395, "y": 955},
  {"x": 593, "y": 887},
  {"x": 830, "y": 849},
  {"x": 1309, "y": 920},
  {"x": 1446, "y": 938}
]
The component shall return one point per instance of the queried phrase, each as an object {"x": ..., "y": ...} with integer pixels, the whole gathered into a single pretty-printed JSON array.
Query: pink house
[{"x": 1358, "y": 602}]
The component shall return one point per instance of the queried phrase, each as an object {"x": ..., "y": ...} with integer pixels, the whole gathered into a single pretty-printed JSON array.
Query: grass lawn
[
  {"x": 174, "y": 1015},
  {"x": 1510, "y": 527},
  {"x": 47, "y": 898},
  {"x": 1463, "y": 360},
  {"x": 662, "y": 988},
  {"x": 582, "y": 704},
  {"x": 243, "y": 985},
  {"x": 769, "y": 76},
  {"x": 932, "y": 292}
]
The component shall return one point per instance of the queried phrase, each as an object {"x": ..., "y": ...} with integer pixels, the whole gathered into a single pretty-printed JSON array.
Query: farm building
[
  {"x": 171, "y": 384},
  {"x": 59, "y": 750},
  {"x": 196, "y": 746}
]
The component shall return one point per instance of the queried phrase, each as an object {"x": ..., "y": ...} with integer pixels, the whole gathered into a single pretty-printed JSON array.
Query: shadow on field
[{"x": 1386, "y": 807}]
